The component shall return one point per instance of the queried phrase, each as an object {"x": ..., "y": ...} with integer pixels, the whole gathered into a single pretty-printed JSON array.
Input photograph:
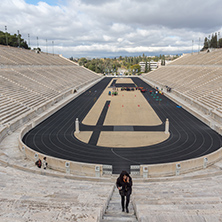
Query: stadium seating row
[
  {"x": 203, "y": 58},
  {"x": 33, "y": 197},
  {"x": 29, "y": 79},
  {"x": 27, "y": 196},
  {"x": 18, "y": 56},
  {"x": 200, "y": 83},
  {"x": 183, "y": 200}
]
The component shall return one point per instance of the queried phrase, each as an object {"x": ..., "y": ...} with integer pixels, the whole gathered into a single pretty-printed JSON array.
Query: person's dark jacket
[
  {"x": 38, "y": 163},
  {"x": 126, "y": 187}
]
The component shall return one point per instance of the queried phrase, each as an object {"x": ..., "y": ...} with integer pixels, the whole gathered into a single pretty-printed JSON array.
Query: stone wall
[
  {"x": 38, "y": 115},
  {"x": 182, "y": 167},
  {"x": 201, "y": 112}
]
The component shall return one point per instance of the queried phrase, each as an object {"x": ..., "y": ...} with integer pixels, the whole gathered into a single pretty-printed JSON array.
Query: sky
[{"x": 110, "y": 28}]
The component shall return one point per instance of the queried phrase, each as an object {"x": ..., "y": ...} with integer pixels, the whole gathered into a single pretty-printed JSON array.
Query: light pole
[
  {"x": 199, "y": 46},
  {"x": 18, "y": 39},
  {"x": 53, "y": 47},
  {"x": 192, "y": 47},
  {"x": 46, "y": 47},
  {"x": 6, "y": 35},
  {"x": 37, "y": 38},
  {"x": 29, "y": 39},
  {"x": 218, "y": 39},
  {"x": 209, "y": 42}
]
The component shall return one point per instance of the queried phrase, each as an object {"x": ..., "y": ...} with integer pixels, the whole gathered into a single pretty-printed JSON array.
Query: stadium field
[{"x": 123, "y": 130}]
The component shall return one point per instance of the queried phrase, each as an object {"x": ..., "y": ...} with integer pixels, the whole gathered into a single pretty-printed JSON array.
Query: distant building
[
  {"x": 122, "y": 71},
  {"x": 153, "y": 65}
]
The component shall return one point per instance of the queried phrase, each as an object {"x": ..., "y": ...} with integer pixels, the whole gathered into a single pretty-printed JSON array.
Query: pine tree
[
  {"x": 220, "y": 43},
  {"x": 205, "y": 43},
  {"x": 146, "y": 67},
  {"x": 13, "y": 40},
  {"x": 149, "y": 67},
  {"x": 213, "y": 42}
]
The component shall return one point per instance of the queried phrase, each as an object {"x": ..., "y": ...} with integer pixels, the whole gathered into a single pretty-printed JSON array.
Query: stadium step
[{"x": 114, "y": 212}]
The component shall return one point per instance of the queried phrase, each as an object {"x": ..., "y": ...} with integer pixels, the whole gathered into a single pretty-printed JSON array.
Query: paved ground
[
  {"x": 26, "y": 196},
  {"x": 128, "y": 109},
  {"x": 114, "y": 212},
  {"x": 189, "y": 137},
  {"x": 30, "y": 197},
  {"x": 191, "y": 200}
]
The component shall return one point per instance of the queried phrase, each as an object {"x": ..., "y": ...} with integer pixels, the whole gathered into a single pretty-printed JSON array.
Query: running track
[{"x": 190, "y": 138}]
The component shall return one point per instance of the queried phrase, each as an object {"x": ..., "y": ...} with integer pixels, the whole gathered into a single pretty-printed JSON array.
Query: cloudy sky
[{"x": 106, "y": 28}]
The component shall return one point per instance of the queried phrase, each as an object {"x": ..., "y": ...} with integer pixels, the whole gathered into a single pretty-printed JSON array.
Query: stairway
[{"x": 114, "y": 212}]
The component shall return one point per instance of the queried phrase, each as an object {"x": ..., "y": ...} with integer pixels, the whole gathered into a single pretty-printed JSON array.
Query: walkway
[
  {"x": 30, "y": 197},
  {"x": 114, "y": 210}
]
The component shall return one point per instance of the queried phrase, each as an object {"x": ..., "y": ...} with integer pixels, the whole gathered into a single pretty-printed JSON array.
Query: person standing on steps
[
  {"x": 38, "y": 163},
  {"x": 124, "y": 184}
]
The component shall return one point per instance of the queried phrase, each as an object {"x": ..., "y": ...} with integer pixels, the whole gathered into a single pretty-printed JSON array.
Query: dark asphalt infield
[{"x": 189, "y": 137}]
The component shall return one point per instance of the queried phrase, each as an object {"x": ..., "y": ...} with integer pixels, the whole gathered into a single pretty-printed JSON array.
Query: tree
[
  {"x": 13, "y": 40},
  {"x": 156, "y": 59},
  {"x": 136, "y": 68},
  {"x": 213, "y": 42},
  {"x": 82, "y": 61},
  {"x": 149, "y": 67},
  {"x": 92, "y": 67},
  {"x": 107, "y": 65},
  {"x": 144, "y": 59},
  {"x": 205, "y": 43},
  {"x": 146, "y": 68},
  {"x": 163, "y": 60},
  {"x": 220, "y": 43}
]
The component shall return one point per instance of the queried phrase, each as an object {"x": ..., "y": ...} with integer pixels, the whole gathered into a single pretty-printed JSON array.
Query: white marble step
[
  {"x": 116, "y": 219},
  {"x": 114, "y": 210}
]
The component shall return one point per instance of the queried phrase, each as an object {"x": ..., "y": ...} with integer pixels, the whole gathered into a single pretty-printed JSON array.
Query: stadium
[
  {"x": 91, "y": 127},
  {"x": 110, "y": 111}
]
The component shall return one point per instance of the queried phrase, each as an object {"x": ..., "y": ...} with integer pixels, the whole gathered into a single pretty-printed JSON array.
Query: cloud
[
  {"x": 95, "y": 2},
  {"x": 101, "y": 28}
]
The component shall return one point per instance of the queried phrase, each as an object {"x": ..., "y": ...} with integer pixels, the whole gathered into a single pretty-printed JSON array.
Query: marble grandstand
[
  {"x": 29, "y": 80},
  {"x": 11, "y": 56},
  {"x": 212, "y": 58},
  {"x": 197, "y": 80},
  {"x": 32, "y": 84}
]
